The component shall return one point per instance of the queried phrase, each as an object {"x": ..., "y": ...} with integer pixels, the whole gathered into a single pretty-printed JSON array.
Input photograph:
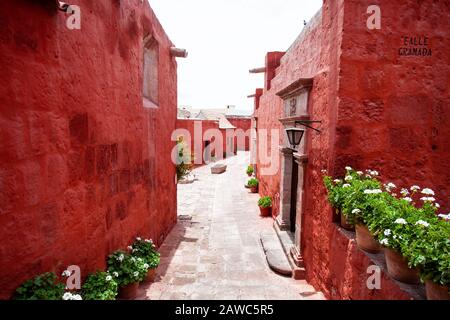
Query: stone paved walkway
[{"x": 217, "y": 254}]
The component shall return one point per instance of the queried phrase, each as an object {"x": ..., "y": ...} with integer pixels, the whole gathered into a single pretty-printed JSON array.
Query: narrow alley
[{"x": 217, "y": 254}]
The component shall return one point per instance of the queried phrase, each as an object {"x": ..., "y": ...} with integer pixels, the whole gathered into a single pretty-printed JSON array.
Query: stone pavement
[{"x": 214, "y": 251}]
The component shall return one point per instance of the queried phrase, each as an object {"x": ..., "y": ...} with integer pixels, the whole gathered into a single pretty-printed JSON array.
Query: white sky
[{"x": 226, "y": 38}]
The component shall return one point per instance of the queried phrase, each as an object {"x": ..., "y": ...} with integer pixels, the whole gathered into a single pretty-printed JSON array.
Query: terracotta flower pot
[
  {"x": 436, "y": 291},
  {"x": 129, "y": 292},
  {"x": 345, "y": 224},
  {"x": 254, "y": 189},
  {"x": 397, "y": 267},
  {"x": 365, "y": 240},
  {"x": 249, "y": 174},
  {"x": 265, "y": 212},
  {"x": 151, "y": 274}
]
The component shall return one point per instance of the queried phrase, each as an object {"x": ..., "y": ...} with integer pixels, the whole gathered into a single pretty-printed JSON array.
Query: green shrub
[
  {"x": 265, "y": 202},
  {"x": 253, "y": 182},
  {"x": 146, "y": 250},
  {"x": 184, "y": 160},
  {"x": 99, "y": 286},
  {"x": 250, "y": 170},
  {"x": 42, "y": 287},
  {"x": 126, "y": 268}
]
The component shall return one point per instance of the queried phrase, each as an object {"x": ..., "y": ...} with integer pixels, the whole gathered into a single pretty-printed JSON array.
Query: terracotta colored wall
[
  {"x": 189, "y": 125},
  {"x": 244, "y": 124},
  {"x": 379, "y": 110},
  {"x": 84, "y": 166}
]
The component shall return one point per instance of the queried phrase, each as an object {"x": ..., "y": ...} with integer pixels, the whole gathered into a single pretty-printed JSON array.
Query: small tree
[{"x": 184, "y": 160}]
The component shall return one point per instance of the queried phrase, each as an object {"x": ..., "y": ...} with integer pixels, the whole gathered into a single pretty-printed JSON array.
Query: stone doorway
[{"x": 293, "y": 191}]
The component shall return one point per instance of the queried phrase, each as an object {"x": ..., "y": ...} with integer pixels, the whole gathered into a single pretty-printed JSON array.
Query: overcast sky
[{"x": 226, "y": 38}]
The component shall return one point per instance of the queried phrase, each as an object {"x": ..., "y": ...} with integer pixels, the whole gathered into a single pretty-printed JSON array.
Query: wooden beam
[
  {"x": 258, "y": 70},
  {"x": 177, "y": 52}
]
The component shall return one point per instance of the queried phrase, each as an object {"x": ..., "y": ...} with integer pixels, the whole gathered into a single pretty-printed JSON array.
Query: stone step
[{"x": 275, "y": 255}]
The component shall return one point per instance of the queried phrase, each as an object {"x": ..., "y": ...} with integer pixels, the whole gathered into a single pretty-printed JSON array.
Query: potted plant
[
  {"x": 128, "y": 271},
  {"x": 253, "y": 185},
  {"x": 250, "y": 170},
  {"x": 42, "y": 287},
  {"x": 99, "y": 286},
  {"x": 146, "y": 250},
  {"x": 265, "y": 206}
]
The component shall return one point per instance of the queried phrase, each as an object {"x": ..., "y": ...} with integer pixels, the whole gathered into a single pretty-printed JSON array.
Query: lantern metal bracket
[{"x": 306, "y": 123}]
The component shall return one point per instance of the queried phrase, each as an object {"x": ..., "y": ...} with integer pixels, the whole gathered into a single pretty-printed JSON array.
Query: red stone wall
[
  {"x": 243, "y": 124},
  {"x": 205, "y": 125},
  {"x": 379, "y": 110},
  {"x": 84, "y": 166}
]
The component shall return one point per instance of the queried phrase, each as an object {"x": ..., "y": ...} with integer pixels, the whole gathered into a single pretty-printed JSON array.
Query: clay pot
[
  {"x": 151, "y": 274},
  {"x": 254, "y": 189},
  {"x": 265, "y": 212},
  {"x": 129, "y": 292},
  {"x": 345, "y": 224},
  {"x": 249, "y": 174},
  {"x": 365, "y": 240},
  {"x": 436, "y": 291},
  {"x": 397, "y": 267}
]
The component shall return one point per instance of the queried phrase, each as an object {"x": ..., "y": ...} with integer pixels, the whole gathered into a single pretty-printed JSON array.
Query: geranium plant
[
  {"x": 125, "y": 268},
  {"x": 42, "y": 287},
  {"x": 99, "y": 286},
  {"x": 253, "y": 182},
  {"x": 265, "y": 202},
  {"x": 250, "y": 170},
  {"x": 145, "y": 249}
]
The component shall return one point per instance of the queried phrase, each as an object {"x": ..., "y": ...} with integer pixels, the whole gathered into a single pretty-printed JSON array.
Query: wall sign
[{"x": 415, "y": 46}]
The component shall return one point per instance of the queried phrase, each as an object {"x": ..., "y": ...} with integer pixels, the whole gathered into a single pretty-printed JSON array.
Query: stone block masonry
[{"x": 85, "y": 167}]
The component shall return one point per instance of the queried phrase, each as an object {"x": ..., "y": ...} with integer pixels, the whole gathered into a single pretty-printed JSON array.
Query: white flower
[
  {"x": 115, "y": 274},
  {"x": 390, "y": 185},
  {"x": 354, "y": 211},
  {"x": 130, "y": 248},
  {"x": 348, "y": 168},
  {"x": 138, "y": 238},
  {"x": 136, "y": 273},
  {"x": 146, "y": 266},
  {"x": 337, "y": 180},
  {"x": 346, "y": 185},
  {"x": 149, "y": 240},
  {"x": 414, "y": 188},
  {"x": 387, "y": 232},
  {"x": 444, "y": 216},
  {"x": 70, "y": 296},
  {"x": 400, "y": 221},
  {"x": 374, "y": 173},
  {"x": 384, "y": 241},
  {"x": 427, "y": 191},
  {"x": 120, "y": 257},
  {"x": 431, "y": 199},
  {"x": 66, "y": 273},
  {"x": 108, "y": 278},
  {"x": 324, "y": 171},
  {"x": 423, "y": 223},
  {"x": 437, "y": 205},
  {"x": 407, "y": 199},
  {"x": 394, "y": 236},
  {"x": 374, "y": 191},
  {"x": 348, "y": 178},
  {"x": 404, "y": 192},
  {"x": 360, "y": 173}
]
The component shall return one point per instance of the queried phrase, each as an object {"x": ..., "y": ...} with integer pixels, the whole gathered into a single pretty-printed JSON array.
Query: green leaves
[
  {"x": 126, "y": 268},
  {"x": 99, "y": 286},
  {"x": 42, "y": 287},
  {"x": 265, "y": 202},
  {"x": 253, "y": 182},
  {"x": 146, "y": 250},
  {"x": 416, "y": 232},
  {"x": 249, "y": 170}
]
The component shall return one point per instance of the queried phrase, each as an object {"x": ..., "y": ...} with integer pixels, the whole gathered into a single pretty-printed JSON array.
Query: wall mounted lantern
[{"x": 295, "y": 134}]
